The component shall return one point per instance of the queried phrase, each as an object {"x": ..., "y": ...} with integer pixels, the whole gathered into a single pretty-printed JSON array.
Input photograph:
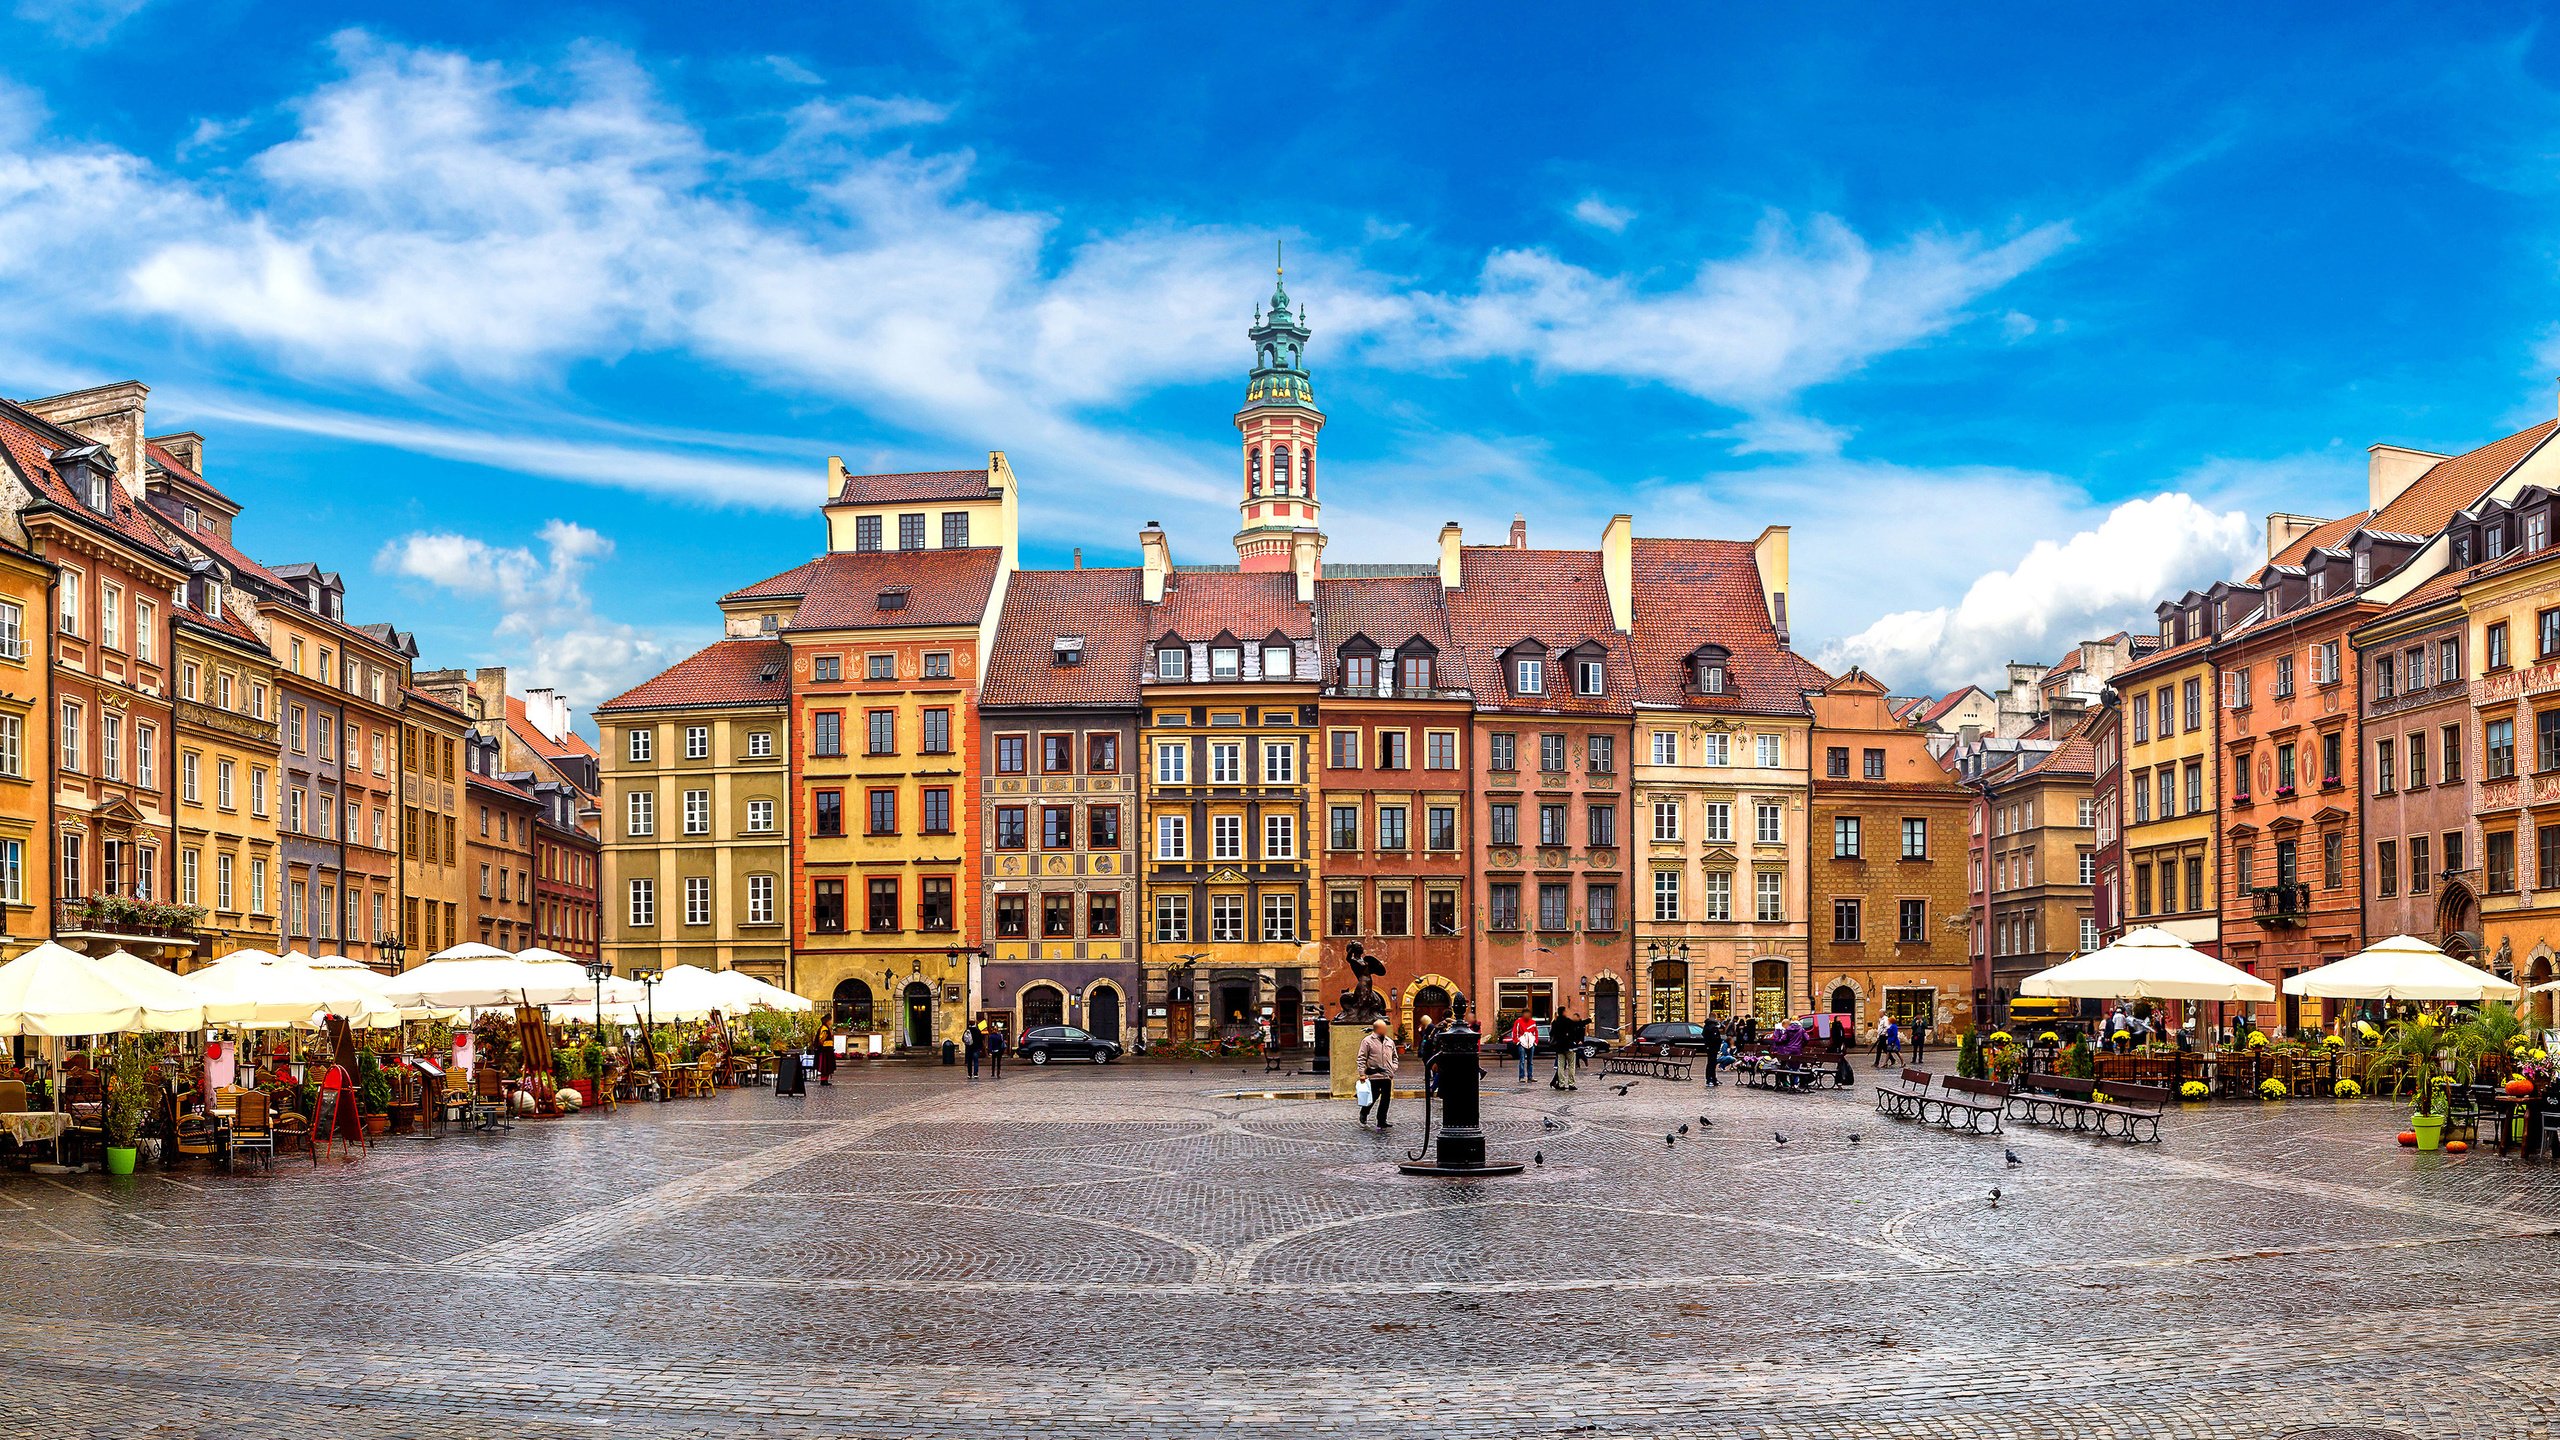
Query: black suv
[{"x": 1065, "y": 1042}]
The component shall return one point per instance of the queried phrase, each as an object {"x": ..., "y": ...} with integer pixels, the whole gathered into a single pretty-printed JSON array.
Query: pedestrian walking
[
  {"x": 1919, "y": 1039},
  {"x": 1711, "y": 1047},
  {"x": 826, "y": 1059},
  {"x": 1889, "y": 1042},
  {"x": 1377, "y": 1063},
  {"x": 1566, "y": 1031},
  {"x": 1524, "y": 1039},
  {"x": 973, "y": 1046},
  {"x": 995, "y": 1051}
]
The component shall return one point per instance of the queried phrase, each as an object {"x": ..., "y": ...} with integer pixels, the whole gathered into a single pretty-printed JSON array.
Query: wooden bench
[
  {"x": 1975, "y": 1106},
  {"x": 1762, "y": 1073},
  {"x": 1902, "y": 1098},
  {"x": 1659, "y": 1067},
  {"x": 2057, "y": 1100},
  {"x": 2134, "y": 1108}
]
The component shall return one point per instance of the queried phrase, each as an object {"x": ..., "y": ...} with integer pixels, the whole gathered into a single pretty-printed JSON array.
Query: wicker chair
[{"x": 252, "y": 1133}]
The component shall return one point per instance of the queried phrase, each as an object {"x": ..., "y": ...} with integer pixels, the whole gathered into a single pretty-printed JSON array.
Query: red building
[
  {"x": 566, "y": 862},
  {"x": 1395, "y": 714}
]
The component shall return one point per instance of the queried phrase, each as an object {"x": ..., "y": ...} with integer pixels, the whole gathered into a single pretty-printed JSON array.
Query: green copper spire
[{"x": 1279, "y": 348}]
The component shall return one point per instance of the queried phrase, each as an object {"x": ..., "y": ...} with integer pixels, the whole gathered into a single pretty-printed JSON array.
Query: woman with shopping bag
[{"x": 1377, "y": 1064}]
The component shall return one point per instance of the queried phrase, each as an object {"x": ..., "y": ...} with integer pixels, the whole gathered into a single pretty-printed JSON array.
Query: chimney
[
  {"x": 1156, "y": 561},
  {"x": 186, "y": 446},
  {"x": 2389, "y": 469},
  {"x": 1452, "y": 556},
  {"x": 1519, "y": 532},
  {"x": 2283, "y": 530},
  {"x": 1306, "y": 559},
  {"x": 1617, "y": 569},
  {"x": 835, "y": 477},
  {"x": 1769, "y": 553},
  {"x": 108, "y": 414},
  {"x": 1079, "y": 557}
]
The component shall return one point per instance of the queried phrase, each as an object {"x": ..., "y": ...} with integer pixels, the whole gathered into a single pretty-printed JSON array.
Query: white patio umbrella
[
  {"x": 253, "y": 990},
  {"x": 169, "y": 1003},
  {"x": 2148, "y": 964},
  {"x": 470, "y": 950},
  {"x": 754, "y": 994},
  {"x": 491, "y": 980},
  {"x": 688, "y": 992},
  {"x": 544, "y": 954},
  {"x": 55, "y": 991},
  {"x": 352, "y": 994},
  {"x": 2403, "y": 967}
]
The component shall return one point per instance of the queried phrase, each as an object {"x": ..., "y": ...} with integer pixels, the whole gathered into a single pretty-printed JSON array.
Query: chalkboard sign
[{"x": 324, "y": 1126}]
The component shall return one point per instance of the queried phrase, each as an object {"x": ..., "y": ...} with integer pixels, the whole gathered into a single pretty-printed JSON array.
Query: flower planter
[
  {"x": 586, "y": 1091},
  {"x": 120, "y": 1158},
  {"x": 376, "y": 1125},
  {"x": 2429, "y": 1129}
]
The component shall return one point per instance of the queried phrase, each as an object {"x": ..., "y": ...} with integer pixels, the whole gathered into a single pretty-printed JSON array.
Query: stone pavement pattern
[{"x": 1127, "y": 1251}]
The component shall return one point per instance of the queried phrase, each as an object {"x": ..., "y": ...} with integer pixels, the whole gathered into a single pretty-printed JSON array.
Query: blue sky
[{"x": 540, "y": 321}]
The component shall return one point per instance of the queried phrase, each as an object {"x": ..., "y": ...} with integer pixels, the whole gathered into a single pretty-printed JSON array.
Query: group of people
[
  {"x": 1892, "y": 1034},
  {"x": 982, "y": 1044}
]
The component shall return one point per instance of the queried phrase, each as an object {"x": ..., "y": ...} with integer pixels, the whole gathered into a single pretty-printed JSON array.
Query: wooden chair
[
  {"x": 288, "y": 1127},
  {"x": 489, "y": 1100},
  {"x": 252, "y": 1133},
  {"x": 13, "y": 1095}
]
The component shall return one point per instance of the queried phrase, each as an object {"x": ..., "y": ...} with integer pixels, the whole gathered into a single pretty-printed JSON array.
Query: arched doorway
[
  {"x": 1769, "y": 990},
  {"x": 1043, "y": 1005},
  {"x": 1235, "y": 1007},
  {"x": 1102, "y": 1011},
  {"x": 1604, "y": 1004},
  {"x": 919, "y": 1014},
  {"x": 1844, "y": 1001},
  {"x": 1670, "y": 990},
  {"x": 853, "y": 1006},
  {"x": 2537, "y": 972},
  {"x": 1430, "y": 1003}
]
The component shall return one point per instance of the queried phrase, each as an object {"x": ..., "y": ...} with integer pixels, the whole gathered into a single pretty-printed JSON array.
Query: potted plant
[
  {"x": 373, "y": 1087},
  {"x": 133, "y": 1090},
  {"x": 2195, "y": 1090}
]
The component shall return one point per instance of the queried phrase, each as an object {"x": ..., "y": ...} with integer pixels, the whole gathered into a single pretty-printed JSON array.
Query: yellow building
[
  {"x": 226, "y": 848},
  {"x": 2511, "y": 867},
  {"x": 2171, "y": 792},
  {"x": 434, "y": 885},
  {"x": 25, "y": 705},
  {"x": 705, "y": 737},
  {"x": 1227, "y": 735}
]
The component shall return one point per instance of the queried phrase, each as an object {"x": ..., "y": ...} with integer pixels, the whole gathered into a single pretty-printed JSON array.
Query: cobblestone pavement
[{"x": 1142, "y": 1251}]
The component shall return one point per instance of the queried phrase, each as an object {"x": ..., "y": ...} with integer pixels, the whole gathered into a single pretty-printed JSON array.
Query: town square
[{"x": 962, "y": 720}]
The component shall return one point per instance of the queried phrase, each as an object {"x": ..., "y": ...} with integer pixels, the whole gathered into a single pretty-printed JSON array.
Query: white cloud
[
  {"x": 2100, "y": 580},
  {"x": 1784, "y": 435},
  {"x": 791, "y": 71},
  {"x": 77, "y": 22},
  {"x": 1599, "y": 214},
  {"x": 1804, "y": 305},
  {"x": 547, "y": 626}
]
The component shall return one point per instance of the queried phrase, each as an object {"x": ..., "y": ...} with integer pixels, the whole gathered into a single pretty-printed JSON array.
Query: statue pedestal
[{"x": 1345, "y": 1053}]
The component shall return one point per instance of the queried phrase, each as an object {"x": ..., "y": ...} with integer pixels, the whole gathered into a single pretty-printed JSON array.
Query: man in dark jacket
[
  {"x": 1711, "y": 1041},
  {"x": 1566, "y": 1032}
]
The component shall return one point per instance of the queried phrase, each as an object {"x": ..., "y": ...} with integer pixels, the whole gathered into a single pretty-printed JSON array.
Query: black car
[
  {"x": 1671, "y": 1037},
  {"x": 1065, "y": 1042}
]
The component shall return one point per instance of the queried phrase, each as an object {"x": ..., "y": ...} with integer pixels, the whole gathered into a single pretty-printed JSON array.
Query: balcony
[
  {"x": 122, "y": 917},
  {"x": 2282, "y": 907}
]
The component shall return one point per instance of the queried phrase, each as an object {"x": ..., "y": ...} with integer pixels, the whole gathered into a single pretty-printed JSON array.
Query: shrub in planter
[
  {"x": 2079, "y": 1061},
  {"x": 2194, "y": 1090},
  {"x": 2347, "y": 1090},
  {"x": 133, "y": 1091},
  {"x": 2271, "y": 1090}
]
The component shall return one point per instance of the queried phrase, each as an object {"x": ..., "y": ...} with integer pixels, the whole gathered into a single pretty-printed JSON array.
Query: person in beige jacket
[{"x": 1378, "y": 1061}]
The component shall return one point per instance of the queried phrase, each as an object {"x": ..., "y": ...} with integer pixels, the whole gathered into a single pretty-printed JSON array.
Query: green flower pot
[
  {"x": 2430, "y": 1131},
  {"x": 120, "y": 1158}
]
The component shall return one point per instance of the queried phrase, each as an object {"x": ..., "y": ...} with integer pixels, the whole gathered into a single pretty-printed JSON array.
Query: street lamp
[
  {"x": 393, "y": 951},
  {"x": 648, "y": 977}
]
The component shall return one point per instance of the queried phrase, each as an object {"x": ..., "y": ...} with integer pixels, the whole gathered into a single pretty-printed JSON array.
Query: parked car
[
  {"x": 1595, "y": 1041},
  {"x": 1671, "y": 1037},
  {"x": 1065, "y": 1042}
]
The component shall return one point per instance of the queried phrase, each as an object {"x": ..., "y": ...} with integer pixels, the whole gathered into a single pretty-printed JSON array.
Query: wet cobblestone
[{"x": 1121, "y": 1251}]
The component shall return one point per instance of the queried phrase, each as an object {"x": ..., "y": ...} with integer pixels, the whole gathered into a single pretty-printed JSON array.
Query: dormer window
[
  {"x": 2221, "y": 613},
  {"x": 1588, "y": 677},
  {"x": 2537, "y": 531},
  {"x": 1360, "y": 672},
  {"x": 1275, "y": 662},
  {"x": 1417, "y": 674},
  {"x": 2364, "y": 568},
  {"x": 2168, "y": 630},
  {"x": 1173, "y": 662},
  {"x": 1067, "y": 650},
  {"x": 1226, "y": 662},
  {"x": 893, "y": 597},
  {"x": 189, "y": 512},
  {"x": 212, "y": 597},
  {"x": 1710, "y": 679},
  {"x": 2319, "y": 585},
  {"x": 768, "y": 624},
  {"x": 1528, "y": 676},
  {"x": 2462, "y": 552},
  {"x": 1707, "y": 669},
  {"x": 2495, "y": 538}
]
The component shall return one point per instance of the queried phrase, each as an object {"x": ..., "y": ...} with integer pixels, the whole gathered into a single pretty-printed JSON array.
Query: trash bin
[{"x": 950, "y": 1052}]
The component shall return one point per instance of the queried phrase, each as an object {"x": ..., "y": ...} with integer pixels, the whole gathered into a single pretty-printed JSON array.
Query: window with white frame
[
  {"x": 641, "y": 817},
  {"x": 644, "y": 902},
  {"x": 759, "y": 744},
  {"x": 1771, "y": 898},
  {"x": 759, "y": 816},
  {"x": 759, "y": 899},
  {"x": 1666, "y": 819},
  {"x": 1279, "y": 762},
  {"x": 1719, "y": 895},
  {"x": 1772, "y": 751},
  {"x": 1718, "y": 829},
  {"x": 1767, "y": 826},
  {"x": 697, "y": 812},
  {"x": 1528, "y": 676},
  {"x": 1173, "y": 837},
  {"x": 697, "y": 899},
  {"x": 1279, "y": 916},
  {"x": 697, "y": 742},
  {"x": 640, "y": 742},
  {"x": 1173, "y": 762},
  {"x": 1279, "y": 837},
  {"x": 1716, "y": 749},
  {"x": 1666, "y": 747},
  {"x": 1666, "y": 894},
  {"x": 1226, "y": 837}
]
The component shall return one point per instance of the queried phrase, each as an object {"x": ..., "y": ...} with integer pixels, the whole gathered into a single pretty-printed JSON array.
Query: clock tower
[{"x": 1279, "y": 423}]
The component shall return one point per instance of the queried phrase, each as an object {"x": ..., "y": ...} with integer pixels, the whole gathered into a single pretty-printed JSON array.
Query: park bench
[
  {"x": 1975, "y": 1106},
  {"x": 2057, "y": 1100},
  {"x": 2134, "y": 1108},
  {"x": 1763, "y": 1073},
  {"x": 1659, "y": 1067},
  {"x": 1902, "y": 1098}
]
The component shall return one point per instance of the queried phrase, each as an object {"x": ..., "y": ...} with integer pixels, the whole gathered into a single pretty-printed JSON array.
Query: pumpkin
[
  {"x": 2519, "y": 1086},
  {"x": 2456, "y": 1147},
  {"x": 2409, "y": 1138}
]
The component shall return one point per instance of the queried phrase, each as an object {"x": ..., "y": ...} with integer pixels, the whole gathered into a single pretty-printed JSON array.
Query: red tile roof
[
  {"x": 726, "y": 672},
  {"x": 169, "y": 509},
  {"x": 1104, "y": 608},
  {"x": 225, "y": 624},
  {"x": 28, "y": 443},
  {"x": 2319, "y": 537},
  {"x": 842, "y": 590},
  {"x": 182, "y": 472},
  {"x": 1950, "y": 701},
  {"x": 2449, "y": 486},
  {"x": 1555, "y": 597},
  {"x": 1388, "y": 611},
  {"x": 914, "y": 485},
  {"x": 1690, "y": 593},
  {"x": 1198, "y": 605}
]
